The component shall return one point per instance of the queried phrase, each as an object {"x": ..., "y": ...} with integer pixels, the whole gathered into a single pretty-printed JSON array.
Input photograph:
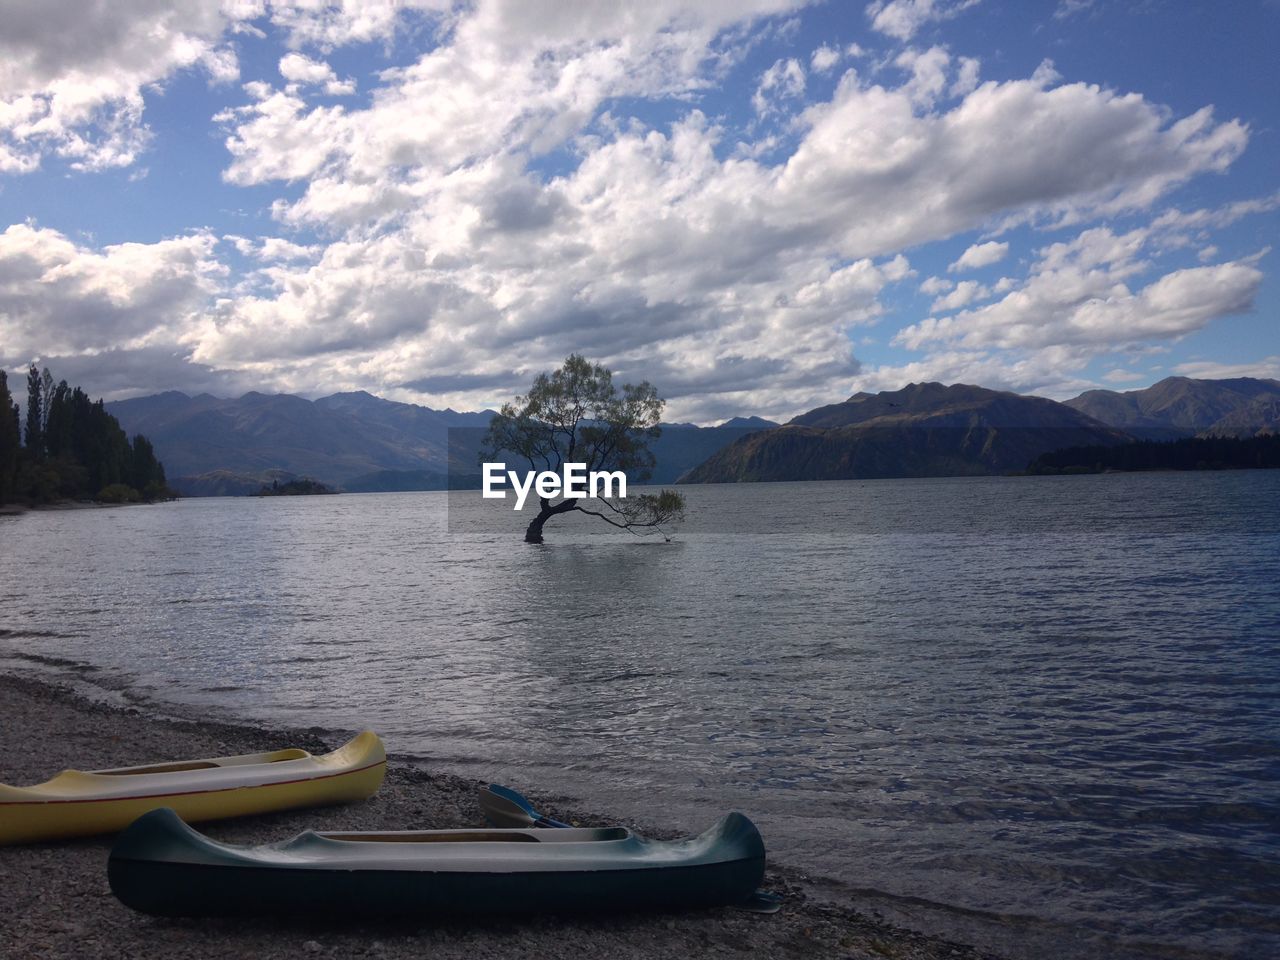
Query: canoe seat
[
  {"x": 158, "y": 768},
  {"x": 452, "y": 836}
]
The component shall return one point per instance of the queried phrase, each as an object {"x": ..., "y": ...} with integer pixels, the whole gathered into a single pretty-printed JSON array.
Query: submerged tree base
[{"x": 533, "y": 532}]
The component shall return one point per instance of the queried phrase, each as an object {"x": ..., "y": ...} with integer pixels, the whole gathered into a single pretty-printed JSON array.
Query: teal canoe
[{"x": 160, "y": 865}]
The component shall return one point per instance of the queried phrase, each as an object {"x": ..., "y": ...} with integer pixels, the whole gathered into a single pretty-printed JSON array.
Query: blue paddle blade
[{"x": 504, "y": 807}]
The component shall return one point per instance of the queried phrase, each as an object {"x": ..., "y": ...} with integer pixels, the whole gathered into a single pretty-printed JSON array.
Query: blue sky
[{"x": 759, "y": 206}]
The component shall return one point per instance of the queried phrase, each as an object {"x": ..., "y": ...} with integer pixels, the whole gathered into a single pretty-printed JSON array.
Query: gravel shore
[{"x": 56, "y": 902}]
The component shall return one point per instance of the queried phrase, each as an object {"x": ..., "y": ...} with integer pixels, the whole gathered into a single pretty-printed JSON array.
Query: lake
[{"x": 1042, "y": 714}]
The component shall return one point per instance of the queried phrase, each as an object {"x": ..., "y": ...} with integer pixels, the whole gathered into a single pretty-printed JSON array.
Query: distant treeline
[
  {"x": 1192, "y": 453},
  {"x": 304, "y": 487},
  {"x": 73, "y": 449}
]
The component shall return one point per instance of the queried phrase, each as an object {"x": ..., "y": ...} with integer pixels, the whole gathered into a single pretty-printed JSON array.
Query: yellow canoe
[{"x": 78, "y": 803}]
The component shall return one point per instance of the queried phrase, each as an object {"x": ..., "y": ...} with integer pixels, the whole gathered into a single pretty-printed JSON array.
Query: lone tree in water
[{"x": 577, "y": 415}]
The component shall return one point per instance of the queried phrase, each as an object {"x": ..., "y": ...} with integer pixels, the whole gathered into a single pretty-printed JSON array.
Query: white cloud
[
  {"x": 1077, "y": 298},
  {"x": 58, "y": 297},
  {"x": 734, "y": 269},
  {"x": 656, "y": 253},
  {"x": 1119, "y": 375},
  {"x": 966, "y": 80},
  {"x": 824, "y": 58},
  {"x": 965, "y": 293},
  {"x": 980, "y": 255},
  {"x": 1268, "y": 368},
  {"x": 1049, "y": 372},
  {"x": 902, "y": 19},
  {"x": 1217, "y": 218},
  {"x": 327, "y": 25},
  {"x": 72, "y": 75},
  {"x": 784, "y": 80},
  {"x": 1069, "y": 8},
  {"x": 302, "y": 70},
  {"x": 929, "y": 70}
]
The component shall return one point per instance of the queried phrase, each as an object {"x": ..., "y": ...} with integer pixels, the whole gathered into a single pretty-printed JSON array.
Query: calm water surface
[{"x": 1039, "y": 713}]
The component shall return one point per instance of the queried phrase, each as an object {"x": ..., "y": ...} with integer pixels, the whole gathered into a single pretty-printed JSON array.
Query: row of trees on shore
[
  {"x": 1191, "y": 453},
  {"x": 71, "y": 449}
]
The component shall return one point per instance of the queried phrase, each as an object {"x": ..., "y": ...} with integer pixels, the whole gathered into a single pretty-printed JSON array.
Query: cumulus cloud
[
  {"x": 1215, "y": 218},
  {"x": 965, "y": 293},
  {"x": 302, "y": 70},
  {"x": 783, "y": 80},
  {"x": 491, "y": 205},
  {"x": 327, "y": 25},
  {"x": 902, "y": 19},
  {"x": 1119, "y": 375},
  {"x": 980, "y": 255},
  {"x": 72, "y": 75},
  {"x": 655, "y": 249},
  {"x": 1078, "y": 295},
  {"x": 57, "y": 297},
  {"x": 824, "y": 58},
  {"x": 1268, "y": 368}
]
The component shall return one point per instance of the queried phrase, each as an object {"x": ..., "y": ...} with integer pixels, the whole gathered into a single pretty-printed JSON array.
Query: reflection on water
[{"x": 994, "y": 706}]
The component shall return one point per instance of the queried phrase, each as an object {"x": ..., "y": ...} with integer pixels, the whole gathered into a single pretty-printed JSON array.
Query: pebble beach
[{"x": 57, "y": 903}]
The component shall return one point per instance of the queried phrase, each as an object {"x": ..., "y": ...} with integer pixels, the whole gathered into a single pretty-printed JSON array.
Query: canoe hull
[
  {"x": 35, "y": 814},
  {"x": 160, "y": 866},
  {"x": 184, "y": 890}
]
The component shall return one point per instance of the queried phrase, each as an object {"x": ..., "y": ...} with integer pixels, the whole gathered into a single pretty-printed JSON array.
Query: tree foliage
[
  {"x": 9, "y": 445},
  {"x": 578, "y": 415},
  {"x": 35, "y": 408},
  {"x": 74, "y": 449}
]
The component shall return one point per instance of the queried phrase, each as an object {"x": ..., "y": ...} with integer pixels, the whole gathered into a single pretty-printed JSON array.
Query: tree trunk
[{"x": 533, "y": 533}]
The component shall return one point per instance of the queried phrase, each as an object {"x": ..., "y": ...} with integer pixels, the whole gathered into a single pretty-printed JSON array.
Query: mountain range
[
  {"x": 359, "y": 442},
  {"x": 931, "y": 429},
  {"x": 355, "y": 441},
  {"x": 1182, "y": 407},
  {"x": 924, "y": 429}
]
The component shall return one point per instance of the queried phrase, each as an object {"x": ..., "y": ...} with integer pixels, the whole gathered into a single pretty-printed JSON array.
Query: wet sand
[{"x": 56, "y": 902}]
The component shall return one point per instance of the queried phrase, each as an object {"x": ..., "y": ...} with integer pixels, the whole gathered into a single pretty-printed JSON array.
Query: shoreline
[{"x": 59, "y": 904}]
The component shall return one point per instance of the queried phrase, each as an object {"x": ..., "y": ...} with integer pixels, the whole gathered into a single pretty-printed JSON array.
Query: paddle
[{"x": 504, "y": 807}]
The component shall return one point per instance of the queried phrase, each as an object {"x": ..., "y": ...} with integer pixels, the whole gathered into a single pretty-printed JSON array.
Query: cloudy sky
[{"x": 758, "y": 205}]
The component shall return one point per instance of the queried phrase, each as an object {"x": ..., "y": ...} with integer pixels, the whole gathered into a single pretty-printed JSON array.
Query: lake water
[{"x": 1038, "y": 713}]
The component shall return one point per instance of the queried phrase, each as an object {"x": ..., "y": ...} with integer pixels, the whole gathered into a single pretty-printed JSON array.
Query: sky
[{"x": 760, "y": 206}]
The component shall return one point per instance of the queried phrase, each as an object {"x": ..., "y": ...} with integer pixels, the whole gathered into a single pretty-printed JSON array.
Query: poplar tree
[
  {"x": 8, "y": 440},
  {"x": 35, "y": 392}
]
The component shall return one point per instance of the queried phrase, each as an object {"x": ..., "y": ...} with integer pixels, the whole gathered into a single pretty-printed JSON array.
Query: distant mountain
[
  {"x": 925, "y": 429},
  {"x": 1257, "y": 418},
  {"x": 682, "y": 446},
  {"x": 354, "y": 441},
  {"x": 1183, "y": 407},
  {"x": 748, "y": 423},
  {"x": 333, "y": 440}
]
